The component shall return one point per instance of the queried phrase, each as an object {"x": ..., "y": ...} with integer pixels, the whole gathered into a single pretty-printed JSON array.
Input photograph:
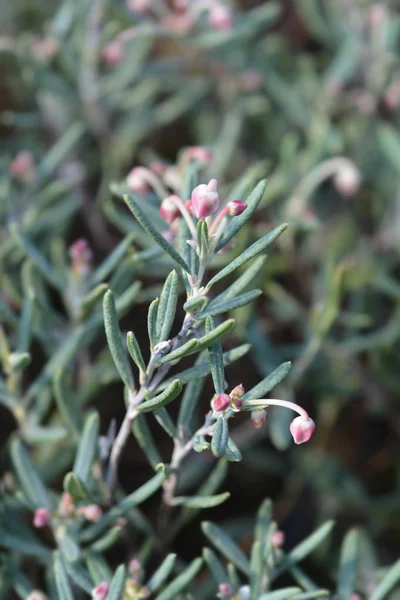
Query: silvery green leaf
[
  {"x": 307, "y": 546},
  {"x": 17, "y": 581},
  {"x": 25, "y": 543},
  {"x": 263, "y": 524},
  {"x": 200, "y": 444},
  {"x": 135, "y": 351},
  {"x": 251, "y": 252},
  {"x": 35, "y": 434},
  {"x": 220, "y": 437},
  {"x": 224, "y": 543},
  {"x": 323, "y": 594},
  {"x": 124, "y": 302},
  {"x": 145, "y": 440},
  {"x": 257, "y": 570},
  {"x": 152, "y": 322},
  {"x": 232, "y": 304},
  {"x": 28, "y": 477},
  {"x": 214, "y": 564},
  {"x": 74, "y": 486},
  {"x": 283, "y": 594},
  {"x": 242, "y": 282},
  {"x": 216, "y": 334},
  {"x": 162, "y": 573},
  {"x": 190, "y": 179},
  {"x": 201, "y": 501},
  {"x": 232, "y": 452},
  {"x": 80, "y": 576},
  {"x": 267, "y": 384},
  {"x": 66, "y": 404},
  {"x": 195, "y": 305},
  {"x": 68, "y": 546},
  {"x": 89, "y": 301},
  {"x": 390, "y": 579},
  {"x": 163, "y": 418},
  {"x": 167, "y": 307},
  {"x": 169, "y": 394},
  {"x": 238, "y": 222},
  {"x": 188, "y": 348},
  {"x": 117, "y": 584},
  {"x": 114, "y": 340},
  {"x": 348, "y": 566},
  {"x": 157, "y": 237},
  {"x": 112, "y": 260},
  {"x": 25, "y": 324},
  {"x": 129, "y": 502},
  {"x": 87, "y": 448},
  {"x": 62, "y": 582},
  {"x": 216, "y": 360},
  {"x": 108, "y": 540},
  {"x": 59, "y": 151},
  {"x": 181, "y": 582},
  {"x": 98, "y": 568}
]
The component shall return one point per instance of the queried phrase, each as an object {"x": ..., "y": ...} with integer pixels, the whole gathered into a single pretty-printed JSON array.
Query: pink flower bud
[
  {"x": 180, "y": 6},
  {"x": 91, "y": 512},
  {"x": 67, "y": 505},
  {"x": 113, "y": 53},
  {"x": 236, "y": 207},
  {"x": 158, "y": 167},
  {"x": 134, "y": 566},
  {"x": 347, "y": 180},
  {"x": 136, "y": 181},
  {"x": 251, "y": 81},
  {"x": 178, "y": 22},
  {"x": 41, "y": 517},
  {"x": 22, "y": 167},
  {"x": 140, "y": 7},
  {"x": 278, "y": 539},
  {"x": 168, "y": 235},
  {"x": 220, "y": 17},
  {"x": 200, "y": 153},
  {"x": 258, "y": 417},
  {"x": 36, "y": 595},
  {"x": 168, "y": 208},
  {"x": 189, "y": 207},
  {"x": 221, "y": 402},
  {"x": 45, "y": 48},
  {"x": 81, "y": 257},
  {"x": 100, "y": 591},
  {"x": 238, "y": 391},
  {"x": 205, "y": 199},
  {"x": 225, "y": 589},
  {"x": 302, "y": 429}
]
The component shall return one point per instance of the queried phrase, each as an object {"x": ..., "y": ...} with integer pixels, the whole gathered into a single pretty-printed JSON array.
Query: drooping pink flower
[
  {"x": 168, "y": 209},
  {"x": 36, "y": 595},
  {"x": 347, "y": 180},
  {"x": 221, "y": 402},
  {"x": 100, "y": 592},
  {"x": 41, "y": 517},
  {"x": 302, "y": 429},
  {"x": 236, "y": 207},
  {"x": 220, "y": 17},
  {"x": 258, "y": 417},
  {"x": 205, "y": 199},
  {"x": 137, "y": 182},
  {"x": 91, "y": 512}
]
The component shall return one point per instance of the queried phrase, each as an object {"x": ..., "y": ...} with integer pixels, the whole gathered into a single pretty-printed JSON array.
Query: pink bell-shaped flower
[
  {"x": 302, "y": 429},
  {"x": 221, "y": 402},
  {"x": 168, "y": 208},
  {"x": 236, "y": 207},
  {"x": 41, "y": 517},
  {"x": 205, "y": 199},
  {"x": 100, "y": 592}
]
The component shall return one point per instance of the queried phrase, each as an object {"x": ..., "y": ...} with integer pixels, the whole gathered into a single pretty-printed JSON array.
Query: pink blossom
[
  {"x": 91, "y": 512},
  {"x": 140, "y": 7},
  {"x": 258, "y": 417},
  {"x": 347, "y": 180},
  {"x": 158, "y": 167},
  {"x": 200, "y": 153},
  {"x": 302, "y": 429},
  {"x": 134, "y": 566},
  {"x": 220, "y": 17},
  {"x": 168, "y": 209},
  {"x": 36, "y": 595},
  {"x": 205, "y": 199},
  {"x": 236, "y": 207},
  {"x": 100, "y": 592},
  {"x": 113, "y": 53},
  {"x": 136, "y": 181},
  {"x": 22, "y": 166},
  {"x": 41, "y": 517},
  {"x": 45, "y": 47},
  {"x": 221, "y": 402},
  {"x": 225, "y": 589},
  {"x": 278, "y": 539},
  {"x": 66, "y": 505}
]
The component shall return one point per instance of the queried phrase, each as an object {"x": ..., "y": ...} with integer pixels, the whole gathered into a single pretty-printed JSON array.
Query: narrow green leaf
[
  {"x": 232, "y": 452},
  {"x": 242, "y": 282},
  {"x": 307, "y": 546},
  {"x": 324, "y": 594},
  {"x": 195, "y": 305},
  {"x": 263, "y": 524},
  {"x": 214, "y": 564},
  {"x": 135, "y": 352},
  {"x": 92, "y": 298},
  {"x": 388, "y": 582},
  {"x": 157, "y": 237},
  {"x": 167, "y": 307},
  {"x": 123, "y": 507},
  {"x": 80, "y": 576},
  {"x": 108, "y": 540},
  {"x": 251, "y": 252},
  {"x": 152, "y": 322},
  {"x": 257, "y": 569},
  {"x": 66, "y": 404},
  {"x": 238, "y": 222},
  {"x": 224, "y": 543},
  {"x": 114, "y": 340},
  {"x": 216, "y": 334},
  {"x": 74, "y": 486},
  {"x": 267, "y": 384},
  {"x": 98, "y": 568},
  {"x": 163, "y": 418},
  {"x": 117, "y": 584},
  {"x": 25, "y": 325},
  {"x": 349, "y": 560},
  {"x": 169, "y": 394},
  {"x": 112, "y": 260},
  {"x": 145, "y": 440},
  {"x": 63, "y": 586},
  {"x": 216, "y": 360},
  {"x": 87, "y": 448},
  {"x": 162, "y": 573},
  {"x": 233, "y": 304},
  {"x": 190, "y": 398},
  {"x": 283, "y": 594},
  {"x": 187, "y": 348},
  {"x": 201, "y": 501},
  {"x": 181, "y": 582},
  {"x": 28, "y": 477},
  {"x": 220, "y": 437},
  {"x": 68, "y": 546}
]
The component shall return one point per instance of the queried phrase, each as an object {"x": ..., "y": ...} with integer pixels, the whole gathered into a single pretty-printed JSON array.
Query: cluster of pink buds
[
  {"x": 91, "y": 512},
  {"x": 100, "y": 592},
  {"x": 22, "y": 167},
  {"x": 225, "y": 590},
  {"x": 41, "y": 518},
  {"x": 233, "y": 400},
  {"x": 81, "y": 257}
]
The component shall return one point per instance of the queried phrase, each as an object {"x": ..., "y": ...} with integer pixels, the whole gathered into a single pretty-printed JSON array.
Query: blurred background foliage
[{"x": 306, "y": 93}]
